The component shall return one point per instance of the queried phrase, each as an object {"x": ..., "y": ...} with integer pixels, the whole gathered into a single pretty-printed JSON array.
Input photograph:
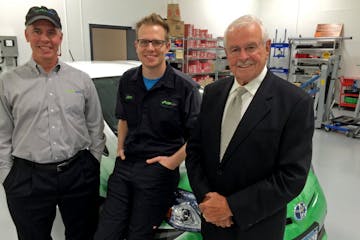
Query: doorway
[{"x": 108, "y": 43}]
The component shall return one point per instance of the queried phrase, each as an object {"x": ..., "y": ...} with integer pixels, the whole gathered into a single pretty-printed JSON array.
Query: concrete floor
[{"x": 336, "y": 160}]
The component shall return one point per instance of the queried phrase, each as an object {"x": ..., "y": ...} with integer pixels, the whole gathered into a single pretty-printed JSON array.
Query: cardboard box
[
  {"x": 176, "y": 28},
  {"x": 173, "y": 11},
  {"x": 329, "y": 30}
]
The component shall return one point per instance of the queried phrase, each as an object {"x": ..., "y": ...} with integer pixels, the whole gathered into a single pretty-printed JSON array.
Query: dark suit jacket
[{"x": 266, "y": 163}]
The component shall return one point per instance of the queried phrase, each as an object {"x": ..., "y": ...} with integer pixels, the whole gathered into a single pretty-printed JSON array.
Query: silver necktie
[{"x": 231, "y": 120}]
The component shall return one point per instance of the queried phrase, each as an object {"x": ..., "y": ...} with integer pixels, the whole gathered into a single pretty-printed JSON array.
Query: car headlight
[{"x": 185, "y": 213}]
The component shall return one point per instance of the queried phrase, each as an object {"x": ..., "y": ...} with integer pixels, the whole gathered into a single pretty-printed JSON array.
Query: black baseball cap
[{"x": 38, "y": 13}]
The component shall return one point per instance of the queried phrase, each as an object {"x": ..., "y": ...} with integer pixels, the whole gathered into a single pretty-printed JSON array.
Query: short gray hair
[{"x": 245, "y": 21}]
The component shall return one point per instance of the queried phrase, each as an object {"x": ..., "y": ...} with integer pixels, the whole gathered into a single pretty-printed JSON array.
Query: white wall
[
  {"x": 108, "y": 12},
  {"x": 76, "y": 15},
  {"x": 280, "y": 15},
  {"x": 297, "y": 16},
  {"x": 301, "y": 17},
  {"x": 334, "y": 11},
  {"x": 12, "y": 21},
  {"x": 215, "y": 15}
]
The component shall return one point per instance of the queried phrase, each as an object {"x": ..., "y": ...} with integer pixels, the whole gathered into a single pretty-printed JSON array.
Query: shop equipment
[{"x": 8, "y": 53}]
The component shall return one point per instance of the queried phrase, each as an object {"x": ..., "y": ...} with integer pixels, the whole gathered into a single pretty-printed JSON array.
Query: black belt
[{"x": 58, "y": 166}]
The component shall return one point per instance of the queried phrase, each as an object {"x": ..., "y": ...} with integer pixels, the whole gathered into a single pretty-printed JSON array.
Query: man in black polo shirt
[{"x": 156, "y": 106}]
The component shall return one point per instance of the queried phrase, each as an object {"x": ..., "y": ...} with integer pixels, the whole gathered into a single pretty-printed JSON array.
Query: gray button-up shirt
[{"x": 48, "y": 117}]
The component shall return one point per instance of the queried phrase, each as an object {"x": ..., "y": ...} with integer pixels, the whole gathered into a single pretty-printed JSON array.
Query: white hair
[{"x": 245, "y": 21}]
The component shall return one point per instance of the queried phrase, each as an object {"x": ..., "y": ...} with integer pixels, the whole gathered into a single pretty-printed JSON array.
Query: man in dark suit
[{"x": 251, "y": 150}]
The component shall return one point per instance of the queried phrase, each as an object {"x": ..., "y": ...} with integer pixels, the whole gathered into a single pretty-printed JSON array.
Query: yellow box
[{"x": 179, "y": 54}]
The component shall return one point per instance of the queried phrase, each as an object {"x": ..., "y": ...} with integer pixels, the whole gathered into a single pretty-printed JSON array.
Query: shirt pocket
[
  {"x": 74, "y": 103},
  {"x": 166, "y": 117}
]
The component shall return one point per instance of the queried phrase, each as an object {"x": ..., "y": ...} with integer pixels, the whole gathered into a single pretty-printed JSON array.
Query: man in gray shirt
[{"x": 51, "y": 138}]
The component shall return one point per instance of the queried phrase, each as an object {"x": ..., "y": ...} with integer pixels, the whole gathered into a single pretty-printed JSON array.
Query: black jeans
[
  {"x": 33, "y": 192},
  {"x": 138, "y": 197}
]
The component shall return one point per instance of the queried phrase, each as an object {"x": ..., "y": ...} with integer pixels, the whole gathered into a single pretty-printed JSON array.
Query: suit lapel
[{"x": 259, "y": 107}]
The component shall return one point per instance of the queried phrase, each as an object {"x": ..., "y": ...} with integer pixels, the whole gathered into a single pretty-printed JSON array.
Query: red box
[{"x": 189, "y": 28}]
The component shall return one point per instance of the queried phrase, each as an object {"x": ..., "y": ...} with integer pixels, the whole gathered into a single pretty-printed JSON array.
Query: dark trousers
[
  {"x": 34, "y": 191},
  {"x": 138, "y": 197}
]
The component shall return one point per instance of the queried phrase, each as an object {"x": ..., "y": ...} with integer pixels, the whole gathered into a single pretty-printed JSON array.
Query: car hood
[{"x": 97, "y": 69}]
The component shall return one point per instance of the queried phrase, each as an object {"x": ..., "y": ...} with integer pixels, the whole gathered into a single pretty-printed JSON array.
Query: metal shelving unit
[
  {"x": 204, "y": 59},
  {"x": 176, "y": 54},
  {"x": 308, "y": 54}
]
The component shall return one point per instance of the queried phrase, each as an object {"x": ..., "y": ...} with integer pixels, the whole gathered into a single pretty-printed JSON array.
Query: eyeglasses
[
  {"x": 249, "y": 49},
  {"x": 155, "y": 43}
]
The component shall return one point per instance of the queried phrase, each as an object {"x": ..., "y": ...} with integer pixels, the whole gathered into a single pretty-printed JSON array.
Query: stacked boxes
[
  {"x": 349, "y": 92},
  {"x": 192, "y": 32},
  {"x": 188, "y": 30},
  {"x": 176, "y": 26},
  {"x": 199, "y": 52},
  {"x": 176, "y": 32},
  {"x": 197, "y": 66},
  {"x": 173, "y": 11}
]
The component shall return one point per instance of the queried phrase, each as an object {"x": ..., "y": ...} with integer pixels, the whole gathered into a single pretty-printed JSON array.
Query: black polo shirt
[{"x": 160, "y": 119}]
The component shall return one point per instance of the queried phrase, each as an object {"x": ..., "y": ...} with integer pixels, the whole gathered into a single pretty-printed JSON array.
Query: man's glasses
[{"x": 154, "y": 43}]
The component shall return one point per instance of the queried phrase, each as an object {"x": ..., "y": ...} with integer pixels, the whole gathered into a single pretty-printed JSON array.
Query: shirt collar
[
  {"x": 167, "y": 80},
  {"x": 253, "y": 85},
  {"x": 38, "y": 69}
]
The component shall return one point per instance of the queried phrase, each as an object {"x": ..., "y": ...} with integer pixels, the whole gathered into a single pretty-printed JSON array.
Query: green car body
[
  {"x": 305, "y": 213},
  {"x": 312, "y": 197}
]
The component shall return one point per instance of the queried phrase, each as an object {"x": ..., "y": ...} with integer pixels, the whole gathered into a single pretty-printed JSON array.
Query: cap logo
[
  {"x": 42, "y": 10},
  {"x": 38, "y": 13}
]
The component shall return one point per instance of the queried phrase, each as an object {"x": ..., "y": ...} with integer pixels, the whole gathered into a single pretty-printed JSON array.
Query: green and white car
[{"x": 305, "y": 214}]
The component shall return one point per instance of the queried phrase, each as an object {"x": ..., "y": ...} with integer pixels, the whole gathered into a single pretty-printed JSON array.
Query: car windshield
[{"x": 107, "y": 90}]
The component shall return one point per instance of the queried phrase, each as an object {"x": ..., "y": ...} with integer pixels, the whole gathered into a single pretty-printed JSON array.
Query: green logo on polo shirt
[
  {"x": 129, "y": 98},
  {"x": 73, "y": 91},
  {"x": 168, "y": 103}
]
